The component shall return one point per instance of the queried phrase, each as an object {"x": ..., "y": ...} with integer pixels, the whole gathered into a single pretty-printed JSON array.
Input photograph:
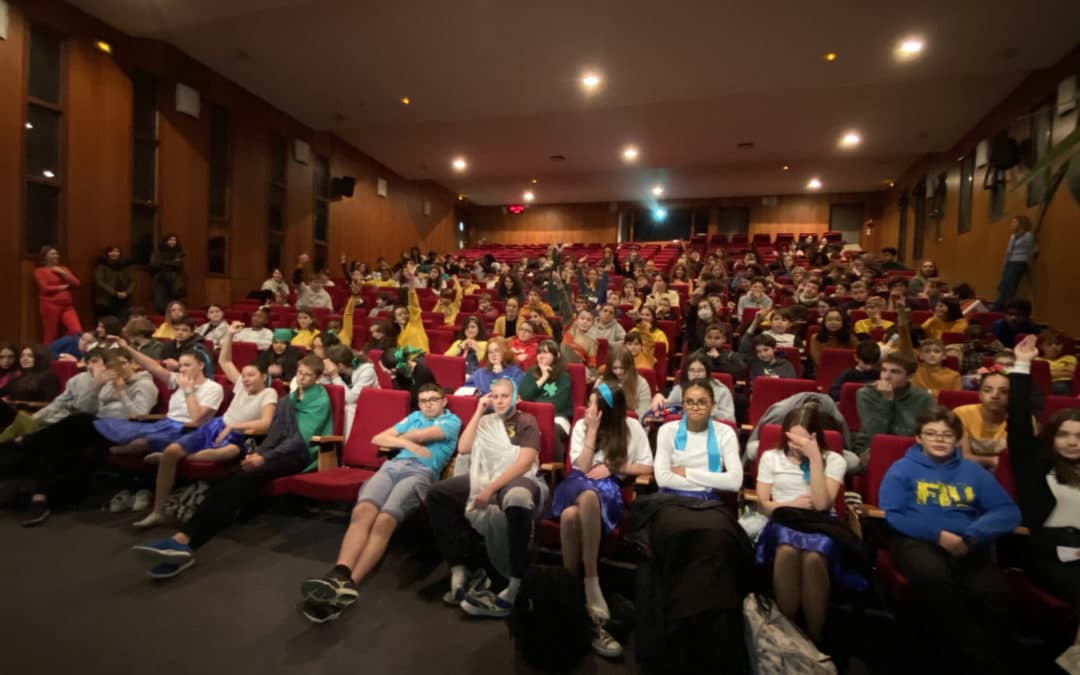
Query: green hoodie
[{"x": 313, "y": 418}]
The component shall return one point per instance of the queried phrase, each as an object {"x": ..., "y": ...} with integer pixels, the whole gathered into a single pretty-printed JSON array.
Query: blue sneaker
[
  {"x": 486, "y": 604},
  {"x": 166, "y": 550},
  {"x": 168, "y": 570}
]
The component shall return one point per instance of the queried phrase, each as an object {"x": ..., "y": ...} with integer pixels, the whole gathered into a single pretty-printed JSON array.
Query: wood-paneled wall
[
  {"x": 96, "y": 196},
  {"x": 597, "y": 222},
  {"x": 976, "y": 257}
]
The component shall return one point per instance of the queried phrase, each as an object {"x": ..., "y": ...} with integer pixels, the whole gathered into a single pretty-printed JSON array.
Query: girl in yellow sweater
[{"x": 305, "y": 328}]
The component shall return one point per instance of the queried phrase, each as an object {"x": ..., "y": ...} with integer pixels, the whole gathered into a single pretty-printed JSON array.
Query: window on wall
[
  {"x": 275, "y": 208},
  {"x": 218, "y": 231},
  {"x": 321, "y": 212},
  {"x": 937, "y": 203},
  {"x": 43, "y": 129},
  {"x": 144, "y": 167},
  {"x": 733, "y": 220},
  {"x": 901, "y": 239},
  {"x": 921, "y": 204},
  {"x": 1042, "y": 126},
  {"x": 967, "y": 185}
]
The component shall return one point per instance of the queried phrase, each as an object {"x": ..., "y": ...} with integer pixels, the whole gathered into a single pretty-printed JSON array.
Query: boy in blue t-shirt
[{"x": 427, "y": 439}]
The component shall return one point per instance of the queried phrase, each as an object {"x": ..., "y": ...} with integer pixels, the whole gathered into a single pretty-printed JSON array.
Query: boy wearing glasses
[
  {"x": 426, "y": 440},
  {"x": 890, "y": 405}
]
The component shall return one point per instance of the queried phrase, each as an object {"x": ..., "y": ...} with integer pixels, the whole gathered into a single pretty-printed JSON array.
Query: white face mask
[{"x": 704, "y": 314}]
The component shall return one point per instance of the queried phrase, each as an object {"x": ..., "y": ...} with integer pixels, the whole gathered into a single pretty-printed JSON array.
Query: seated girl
[
  {"x": 581, "y": 345},
  {"x": 351, "y": 370},
  {"x": 947, "y": 318},
  {"x": 984, "y": 422},
  {"x": 470, "y": 344},
  {"x": 281, "y": 359},
  {"x": 407, "y": 372},
  {"x": 174, "y": 311},
  {"x": 696, "y": 456},
  {"x": 835, "y": 333},
  {"x": 1047, "y": 474},
  {"x": 634, "y": 343},
  {"x": 697, "y": 368},
  {"x": 1062, "y": 366},
  {"x": 506, "y": 325},
  {"x": 305, "y": 330},
  {"x": 605, "y": 447},
  {"x": 221, "y": 438},
  {"x": 499, "y": 363},
  {"x": 523, "y": 345},
  {"x": 33, "y": 380},
  {"x": 407, "y": 317},
  {"x": 801, "y": 474},
  {"x": 380, "y": 336},
  {"x": 449, "y": 303},
  {"x": 214, "y": 328},
  {"x": 646, "y": 325},
  {"x": 620, "y": 367},
  {"x": 549, "y": 382},
  {"x": 945, "y": 513}
]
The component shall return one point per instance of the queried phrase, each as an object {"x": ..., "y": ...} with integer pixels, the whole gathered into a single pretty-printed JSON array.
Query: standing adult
[
  {"x": 1018, "y": 255},
  {"x": 113, "y": 284},
  {"x": 167, "y": 265},
  {"x": 55, "y": 282}
]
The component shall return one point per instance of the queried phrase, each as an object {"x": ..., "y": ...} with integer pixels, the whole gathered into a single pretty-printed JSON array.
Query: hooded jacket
[
  {"x": 111, "y": 278},
  {"x": 922, "y": 496}
]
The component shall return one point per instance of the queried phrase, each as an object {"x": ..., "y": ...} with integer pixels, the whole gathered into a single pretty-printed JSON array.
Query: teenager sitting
[
  {"x": 471, "y": 344},
  {"x": 695, "y": 368},
  {"x": 407, "y": 371},
  {"x": 697, "y": 456},
  {"x": 281, "y": 359},
  {"x": 498, "y": 363},
  {"x": 891, "y": 405},
  {"x": 351, "y": 370},
  {"x": 931, "y": 376},
  {"x": 867, "y": 368},
  {"x": 257, "y": 333},
  {"x": 549, "y": 382}
]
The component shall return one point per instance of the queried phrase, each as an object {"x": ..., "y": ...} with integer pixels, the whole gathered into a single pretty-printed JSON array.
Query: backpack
[
  {"x": 549, "y": 624},
  {"x": 776, "y": 645}
]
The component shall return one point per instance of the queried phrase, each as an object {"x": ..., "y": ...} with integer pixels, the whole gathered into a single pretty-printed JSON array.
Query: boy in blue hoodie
[{"x": 944, "y": 512}]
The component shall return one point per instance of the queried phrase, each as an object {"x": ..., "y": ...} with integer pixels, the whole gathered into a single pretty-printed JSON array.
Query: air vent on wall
[{"x": 557, "y": 158}]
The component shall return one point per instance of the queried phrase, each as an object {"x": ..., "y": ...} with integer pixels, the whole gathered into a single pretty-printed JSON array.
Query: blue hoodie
[{"x": 921, "y": 497}]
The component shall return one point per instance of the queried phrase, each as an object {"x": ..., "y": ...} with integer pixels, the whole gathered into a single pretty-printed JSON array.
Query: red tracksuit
[{"x": 55, "y": 304}]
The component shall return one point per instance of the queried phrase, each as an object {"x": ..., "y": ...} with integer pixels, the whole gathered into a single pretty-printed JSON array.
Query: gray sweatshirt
[
  {"x": 614, "y": 333},
  {"x": 138, "y": 397},
  {"x": 80, "y": 395}
]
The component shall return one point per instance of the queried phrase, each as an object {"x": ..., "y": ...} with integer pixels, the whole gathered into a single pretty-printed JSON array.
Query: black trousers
[
  {"x": 60, "y": 457},
  {"x": 962, "y": 607},
  {"x": 454, "y": 534},
  {"x": 1046, "y": 571}
]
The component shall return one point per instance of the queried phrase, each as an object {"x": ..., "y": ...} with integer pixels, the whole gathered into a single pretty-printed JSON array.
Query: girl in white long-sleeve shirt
[
  {"x": 696, "y": 456},
  {"x": 354, "y": 372}
]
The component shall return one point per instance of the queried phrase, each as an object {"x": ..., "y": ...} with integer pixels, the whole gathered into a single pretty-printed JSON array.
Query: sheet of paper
[{"x": 1068, "y": 553}]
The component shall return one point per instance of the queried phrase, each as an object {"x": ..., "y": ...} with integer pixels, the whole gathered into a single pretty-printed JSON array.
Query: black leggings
[{"x": 60, "y": 458}]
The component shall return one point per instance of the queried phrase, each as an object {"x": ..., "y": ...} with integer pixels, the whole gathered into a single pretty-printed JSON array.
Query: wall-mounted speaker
[
  {"x": 343, "y": 186},
  {"x": 380, "y": 187},
  {"x": 301, "y": 151},
  {"x": 187, "y": 100}
]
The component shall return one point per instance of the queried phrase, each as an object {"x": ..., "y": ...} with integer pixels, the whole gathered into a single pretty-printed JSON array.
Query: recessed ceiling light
[
  {"x": 630, "y": 153},
  {"x": 48, "y": 174},
  {"x": 658, "y": 190},
  {"x": 590, "y": 81},
  {"x": 103, "y": 46},
  {"x": 787, "y": 167},
  {"x": 461, "y": 198},
  {"x": 814, "y": 184},
  {"x": 830, "y": 56},
  {"x": 405, "y": 100},
  {"x": 528, "y": 196},
  {"x": 909, "y": 48},
  {"x": 533, "y": 181},
  {"x": 850, "y": 139},
  {"x": 460, "y": 164},
  {"x": 891, "y": 183},
  {"x": 28, "y": 125}
]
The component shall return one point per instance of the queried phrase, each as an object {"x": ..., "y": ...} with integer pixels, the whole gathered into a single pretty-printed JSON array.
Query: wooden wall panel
[{"x": 16, "y": 284}]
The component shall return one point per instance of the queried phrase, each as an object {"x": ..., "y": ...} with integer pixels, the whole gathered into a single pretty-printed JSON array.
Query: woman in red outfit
[{"x": 54, "y": 296}]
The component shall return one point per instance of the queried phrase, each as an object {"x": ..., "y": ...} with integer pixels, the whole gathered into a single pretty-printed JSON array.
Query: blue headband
[{"x": 605, "y": 392}]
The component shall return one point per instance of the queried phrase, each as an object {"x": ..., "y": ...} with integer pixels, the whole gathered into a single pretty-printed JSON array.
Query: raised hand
[{"x": 1026, "y": 350}]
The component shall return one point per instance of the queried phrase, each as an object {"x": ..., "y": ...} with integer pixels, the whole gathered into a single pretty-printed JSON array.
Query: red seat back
[
  {"x": 385, "y": 381},
  {"x": 601, "y": 351},
  {"x": 1056, "y": 403},
  {"x": 376, "y": 410},
  {"x": 462, "y": 406},
  {"x": 449, "y": 371},
  {"x": 884, "y": 451},
  {"x": 164, "y": 393},
  {"x": 650, "y": 376},
  {"x": 440, "y": 338},
  {"x": 847, "y": 405},
  {"x": 545, "y": 419},
  {"x": 727, "y": 378},
  {"x": 578, "y": 388},
  {"x": 793, "y": 356},
  {"x": 244, "y": 353},
  {"x": 1040, "y": 376},
  {"x": 833, "y": 362},
  {"x": 769, "y": 390},
  {"x": 64, "y": 371},
  {"x": 337, "y": 406},
  {"x": 951, "y": 398}
]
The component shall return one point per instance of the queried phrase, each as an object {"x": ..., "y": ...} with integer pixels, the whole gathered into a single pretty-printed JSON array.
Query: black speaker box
[{"x": 343, "y": 186}]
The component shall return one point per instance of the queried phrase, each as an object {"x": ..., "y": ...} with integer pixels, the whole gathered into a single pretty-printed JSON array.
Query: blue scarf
[{"x": 716, "y": 463}]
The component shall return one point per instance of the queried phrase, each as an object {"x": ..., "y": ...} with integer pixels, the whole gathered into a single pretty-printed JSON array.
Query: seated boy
[
  {"x": 874, "y": 307},
  {"x": 486, "y": 309},
  {"x": 721, "y": 359},
  {"x": 867, "y": 368},
  {"x": 766, "y": 362},
  {"x": 931, "y": 375},
  {"x": 184, "y": 338},
  {"x": 257, "y": 332},
  {"x": 426, "y": 438},
  {"x": 1062, "y": 366}
]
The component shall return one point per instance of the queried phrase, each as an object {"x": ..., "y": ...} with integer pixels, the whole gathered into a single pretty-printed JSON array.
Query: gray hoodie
[
  {"x": 80, "y": 395},
  {"x": 137, "y": 398},
  {"x": 614, "y": 333}
]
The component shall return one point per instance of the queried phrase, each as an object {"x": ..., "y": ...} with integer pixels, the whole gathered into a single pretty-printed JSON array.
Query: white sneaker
[
  {"x": 121, "y": 501},
  {"x": 604, "y": 643},
  {"x": 142, "y": 500},
  {"x": 153, "y": 518}
]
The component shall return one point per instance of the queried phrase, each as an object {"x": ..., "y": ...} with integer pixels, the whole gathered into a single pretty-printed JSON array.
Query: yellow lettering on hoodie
[{"x": 943, "y": 494}]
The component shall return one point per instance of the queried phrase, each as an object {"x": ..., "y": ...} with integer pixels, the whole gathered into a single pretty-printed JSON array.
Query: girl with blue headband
[
  {"x": 605, "y": 446},
  {"x": 696, "y": 456},
  {"x": 801, "y": 474}
]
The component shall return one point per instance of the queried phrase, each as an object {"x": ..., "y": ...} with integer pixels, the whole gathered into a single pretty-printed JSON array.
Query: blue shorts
[
  {"x": 203, "y": 437},
  {"x": 398, "y": 487},
  {"x": 158, "y": 433}
]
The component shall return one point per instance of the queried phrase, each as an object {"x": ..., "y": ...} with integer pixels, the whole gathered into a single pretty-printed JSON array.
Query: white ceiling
[{"x": 496, "y": 81}]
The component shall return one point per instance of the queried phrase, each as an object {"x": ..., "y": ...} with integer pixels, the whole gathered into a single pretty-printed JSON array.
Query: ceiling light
[
  {"x": 787, "y": 167},
  {"x": 658, "y": 190},
  {"x": 528, "y": 196},
  {"x": 103, "y": 46},
  {"x": 850, "y": 139},
  {"x": 630, "y": 153},
  {"x": 814, "y": 184},
  {"x": 405, "y": 100},
  {"x": 659, "y": 213},
  {"x": 909, "y": 48},
  {"x": 460, "y": 164},
  {"x": 28, "y": 125},
  {"x": 891, "y": 183},
  {"x": 533, "y": 181},
  {"x": 590, "y": 81},
  {"x": 461, "y": 198},
  {"x": 48, "y": 173},
  {"x": 830, "y": 56}
]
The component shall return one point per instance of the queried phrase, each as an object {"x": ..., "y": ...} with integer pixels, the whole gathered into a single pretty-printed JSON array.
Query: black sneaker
[
  {"x": 37, "y": 514},
  {"x": 333, "y": 589},
  {"x": 318, "y": 612}
]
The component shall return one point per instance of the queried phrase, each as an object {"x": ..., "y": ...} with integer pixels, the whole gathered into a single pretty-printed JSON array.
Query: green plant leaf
[{"x": 1062, "y": 150}]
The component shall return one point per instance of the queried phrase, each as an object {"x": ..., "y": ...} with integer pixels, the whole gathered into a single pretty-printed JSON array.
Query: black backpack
[{"x": 549, "y": 625}]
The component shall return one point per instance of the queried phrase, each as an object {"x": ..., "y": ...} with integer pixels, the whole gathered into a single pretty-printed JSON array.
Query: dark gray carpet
[{"x": 76, "y": 600}]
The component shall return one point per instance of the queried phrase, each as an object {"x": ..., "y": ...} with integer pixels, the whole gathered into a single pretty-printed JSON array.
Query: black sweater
[{"x": 1030, "y": 461}]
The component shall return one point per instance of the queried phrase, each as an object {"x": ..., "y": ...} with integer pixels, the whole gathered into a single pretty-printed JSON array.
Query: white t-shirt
[
  {"x": 209, "y": 394},
  {"x": 262, "y": 337},
  {"x": 637, "y": 449},
  {"x": 246, "y": 407},
  {"x": 696, "y": 459},
  {"x": 786, "y": 477},
  {"x": 1066, "y": 511}
]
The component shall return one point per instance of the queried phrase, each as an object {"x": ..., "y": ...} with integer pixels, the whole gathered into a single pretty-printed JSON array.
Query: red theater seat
[{"x": 769, "y": 390}]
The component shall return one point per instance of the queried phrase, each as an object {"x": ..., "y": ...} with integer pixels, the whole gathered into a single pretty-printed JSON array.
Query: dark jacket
[
  {"x": 852, "y": 375},
  {"x": 288, "y": 360},
  {"x": 110, "y": 278},
  {"x": 728, "y": 361},
  {"x": 780, "y": 367},
  {"x": 1029, "y": 459},
  {"x": 167, "y": 265}
]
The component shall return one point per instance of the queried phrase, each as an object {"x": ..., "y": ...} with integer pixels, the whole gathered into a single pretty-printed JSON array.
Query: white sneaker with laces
[
  {"x": 121, "y": 501},
  {"x": 142, "y": 500},
  {"x": 604, "y": 643}
]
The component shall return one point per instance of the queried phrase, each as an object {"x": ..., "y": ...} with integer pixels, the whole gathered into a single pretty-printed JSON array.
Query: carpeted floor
[{"x": 76, "y": 600}]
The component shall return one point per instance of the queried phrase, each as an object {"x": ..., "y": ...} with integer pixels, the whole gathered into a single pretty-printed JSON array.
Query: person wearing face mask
[
  {"x": 944, "y": 513},
  {"x": 499, "y": 496}
]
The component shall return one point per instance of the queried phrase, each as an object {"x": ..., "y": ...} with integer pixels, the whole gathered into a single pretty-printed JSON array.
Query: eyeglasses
[
  {"x": 699, "y": 404},
  {"x": 430, "y": 401},
  {"x": 935, "y": 436}
]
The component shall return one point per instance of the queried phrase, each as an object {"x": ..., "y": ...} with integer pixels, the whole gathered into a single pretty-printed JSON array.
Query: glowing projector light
[{"x": 659, "y": 214}]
